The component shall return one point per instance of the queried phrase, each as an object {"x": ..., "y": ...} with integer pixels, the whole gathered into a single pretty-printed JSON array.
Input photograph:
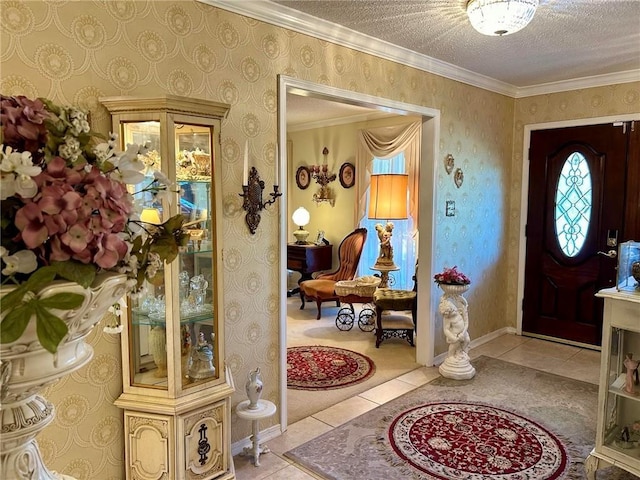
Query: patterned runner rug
[
  {"x": 326, "y": 368},
  {"x": 507, "y": 423}
]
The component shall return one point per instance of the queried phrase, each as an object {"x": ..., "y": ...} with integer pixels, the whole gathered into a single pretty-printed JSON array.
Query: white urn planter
[
  {"x": 26, "y": 367},
  {"x": 455, "y": 323}
]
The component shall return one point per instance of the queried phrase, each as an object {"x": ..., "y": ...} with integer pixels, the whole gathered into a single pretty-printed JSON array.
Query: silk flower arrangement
[{"x": 67, "y": 214}]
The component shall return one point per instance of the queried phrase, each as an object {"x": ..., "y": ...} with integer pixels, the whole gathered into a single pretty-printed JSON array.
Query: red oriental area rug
[
  {"x": 324, "y": 368},
  {"x": 474, "y": 441}
]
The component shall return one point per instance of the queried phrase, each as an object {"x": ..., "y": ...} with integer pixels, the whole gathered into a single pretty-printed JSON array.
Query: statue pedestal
[
  {"x": 457, "y": 368},
  {"x": 454, "y": 310}
]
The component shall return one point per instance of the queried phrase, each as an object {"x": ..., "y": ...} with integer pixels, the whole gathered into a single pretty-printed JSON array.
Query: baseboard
[
  {"x": 479, "y": 341},
  {"x": 264, "y": 436}
]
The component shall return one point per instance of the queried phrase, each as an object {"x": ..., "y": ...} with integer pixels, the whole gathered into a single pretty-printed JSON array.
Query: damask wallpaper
[{"x": 77, "y": 51}]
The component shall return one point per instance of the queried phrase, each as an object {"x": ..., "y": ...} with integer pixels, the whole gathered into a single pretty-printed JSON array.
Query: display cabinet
[
  {"x": 618, "y": 427},
  {"x": 176, "y": 389}
]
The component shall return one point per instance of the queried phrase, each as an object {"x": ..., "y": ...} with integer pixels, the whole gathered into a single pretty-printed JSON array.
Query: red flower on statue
[{"x": 451, "y": 276}]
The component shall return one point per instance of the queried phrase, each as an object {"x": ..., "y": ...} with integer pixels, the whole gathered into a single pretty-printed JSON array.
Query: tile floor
[{"x": 574, "y": 362}]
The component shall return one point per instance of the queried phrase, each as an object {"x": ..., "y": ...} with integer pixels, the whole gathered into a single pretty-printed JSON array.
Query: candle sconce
[
  {"x": 322, "y": 176},
  {"x": 252, "y": 194}
]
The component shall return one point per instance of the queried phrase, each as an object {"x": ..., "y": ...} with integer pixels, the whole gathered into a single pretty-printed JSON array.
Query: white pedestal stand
[
  {"x": 454, "y": 310},
  {"x": 265, "y": 409}
]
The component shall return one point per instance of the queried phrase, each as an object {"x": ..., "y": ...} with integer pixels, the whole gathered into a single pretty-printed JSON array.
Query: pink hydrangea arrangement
[
  {"x": 451, "y": 276},
  {"x": 67, "y": 213}
]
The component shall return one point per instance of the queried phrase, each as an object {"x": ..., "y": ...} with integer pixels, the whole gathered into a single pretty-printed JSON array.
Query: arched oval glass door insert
[{"x": 573, "y": 200}]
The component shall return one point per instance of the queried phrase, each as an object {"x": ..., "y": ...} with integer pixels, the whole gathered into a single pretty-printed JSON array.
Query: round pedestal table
[{"x": 264, "y": 409}]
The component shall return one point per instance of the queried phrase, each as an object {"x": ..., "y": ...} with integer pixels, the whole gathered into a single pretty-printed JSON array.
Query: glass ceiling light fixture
[{"x": 500, "y": 17}]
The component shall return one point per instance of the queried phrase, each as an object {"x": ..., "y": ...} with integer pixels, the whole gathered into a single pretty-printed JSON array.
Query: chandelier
[{"x": 500, "y": 17}]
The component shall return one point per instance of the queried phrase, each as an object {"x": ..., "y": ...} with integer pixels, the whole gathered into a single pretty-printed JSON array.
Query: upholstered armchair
[{"x": 321, "y": 288}]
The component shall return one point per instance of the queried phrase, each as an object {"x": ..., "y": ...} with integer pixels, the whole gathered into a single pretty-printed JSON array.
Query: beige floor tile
[
  {"x": 584, "y": 366},
  {"x": 530, "y": 359},
  {"x": 498, "y": 346},
  {"x": 547, "y": 348},
  {"x": 345, "y": 411},
  {"x": 292, "y": 472},
  {"x": 588, "y": 357},
  {"x": 297, "y": 434},
  {"x": 269, "y": 464},
  {"x": 420, "y": 376},
  {"x": 387, "y": 391}
]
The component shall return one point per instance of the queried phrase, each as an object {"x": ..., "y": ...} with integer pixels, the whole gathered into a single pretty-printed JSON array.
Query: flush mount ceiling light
[{"x": 500, "y": 17}]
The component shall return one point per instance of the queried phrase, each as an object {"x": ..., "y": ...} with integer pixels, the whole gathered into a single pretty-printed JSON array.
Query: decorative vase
[
  {"x": 254, "y": 388},
  {"x": 26, "y": 367},
  {"x": 453, "y": 289},
  {"x": 158, "y": 349}
]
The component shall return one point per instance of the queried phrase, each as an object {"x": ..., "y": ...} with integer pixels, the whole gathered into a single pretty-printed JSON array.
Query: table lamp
[
  {"x": 150, "y": 215},
  {"x": 301, "y": 218},
  {"x": 387, "y": 201}
]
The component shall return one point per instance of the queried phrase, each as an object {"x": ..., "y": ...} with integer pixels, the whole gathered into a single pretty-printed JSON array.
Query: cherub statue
[
  {"x": 386, "y": 250},
  {"x": 455, "y": 324}
]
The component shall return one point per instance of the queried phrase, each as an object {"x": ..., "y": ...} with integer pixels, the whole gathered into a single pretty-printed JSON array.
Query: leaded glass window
[{"x": 574, "y": 199}]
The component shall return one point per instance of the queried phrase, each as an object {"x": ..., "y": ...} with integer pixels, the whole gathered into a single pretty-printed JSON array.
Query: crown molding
[
  {"x": 276, "y": 14},
  {"x": 578, "y": 83}
]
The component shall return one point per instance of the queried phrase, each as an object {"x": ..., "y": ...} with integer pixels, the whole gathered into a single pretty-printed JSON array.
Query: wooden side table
[
  {"x": 265, "y": 409},
  {"x": 308, "y": 259}
]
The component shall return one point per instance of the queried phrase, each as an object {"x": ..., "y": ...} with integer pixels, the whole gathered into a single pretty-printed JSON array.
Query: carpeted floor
[
  {"x": 360, "y": 448},
  {"x": 394, "y": 357},
  {"x": 318, "y": 367}
]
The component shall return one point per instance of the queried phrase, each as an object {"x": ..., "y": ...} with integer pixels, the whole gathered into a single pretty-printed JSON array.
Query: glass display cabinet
[
  {"x": 176, "y": 390},
  {"x": 618, "y": 428}
]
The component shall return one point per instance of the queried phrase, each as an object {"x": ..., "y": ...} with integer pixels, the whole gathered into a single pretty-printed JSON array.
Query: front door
[{"x": 575, "y": 219}]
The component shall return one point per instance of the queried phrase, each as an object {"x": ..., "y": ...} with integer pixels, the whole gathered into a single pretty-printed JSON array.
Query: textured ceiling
[{"x": 567, "y": 39}]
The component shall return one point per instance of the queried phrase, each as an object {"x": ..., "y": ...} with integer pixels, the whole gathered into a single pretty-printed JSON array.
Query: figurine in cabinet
[
  {"x": 201, "y": 365},
  {"x": 632, "y": 368}
]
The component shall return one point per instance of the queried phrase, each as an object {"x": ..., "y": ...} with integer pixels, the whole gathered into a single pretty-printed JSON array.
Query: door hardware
[{"x": 610, "y": 253}]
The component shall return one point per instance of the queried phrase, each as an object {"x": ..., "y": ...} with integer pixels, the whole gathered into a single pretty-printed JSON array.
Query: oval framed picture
[
  {"x": 347, "y": 175},
  {"x": 303, "y": 177}
]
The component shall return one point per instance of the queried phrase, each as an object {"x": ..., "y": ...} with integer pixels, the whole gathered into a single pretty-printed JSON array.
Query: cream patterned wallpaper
[{"x": 77, "y": 51}]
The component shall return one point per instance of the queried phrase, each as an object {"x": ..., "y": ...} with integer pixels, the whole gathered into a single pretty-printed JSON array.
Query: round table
[{"x": 264, "y": 409}]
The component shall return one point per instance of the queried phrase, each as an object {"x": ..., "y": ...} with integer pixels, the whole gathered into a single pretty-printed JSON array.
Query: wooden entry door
[{"x": 576, "y": 209}]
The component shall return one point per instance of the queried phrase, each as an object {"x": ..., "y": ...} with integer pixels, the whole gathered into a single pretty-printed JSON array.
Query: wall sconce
[
  {"x": 322, "y": 176},
  {"x": 252, "y": 193}
]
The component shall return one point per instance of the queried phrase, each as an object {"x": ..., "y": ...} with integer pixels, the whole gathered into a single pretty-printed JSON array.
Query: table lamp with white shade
[{"x": 301, "y": 218}]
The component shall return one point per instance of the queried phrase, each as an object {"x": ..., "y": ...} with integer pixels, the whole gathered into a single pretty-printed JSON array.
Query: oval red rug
[
  {"x": 474, "y": 441},
  {"x": 323, "y": 368}
]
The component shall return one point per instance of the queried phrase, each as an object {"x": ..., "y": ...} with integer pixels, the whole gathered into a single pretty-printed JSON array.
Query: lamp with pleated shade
[{"x": 387, "y": 201}]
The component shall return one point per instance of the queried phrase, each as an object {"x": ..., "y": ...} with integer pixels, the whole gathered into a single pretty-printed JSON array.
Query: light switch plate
[{"x": 450, "y": 208}]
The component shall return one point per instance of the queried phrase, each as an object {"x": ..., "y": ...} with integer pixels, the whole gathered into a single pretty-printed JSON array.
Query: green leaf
[
  {"x": 51, "y": 329},
  {"x": 77, "y": 272},
  {"x": 14, "y": 297},
  {"x": 62, "y": 301},
  {"x": 174, "y": 223},
  {"x": 15, "y": 323},
  {"x": 40, "y": 279}
]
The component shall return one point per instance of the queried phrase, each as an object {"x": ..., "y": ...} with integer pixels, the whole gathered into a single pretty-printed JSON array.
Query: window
[
  {"x": 573, "y": 204},
  {"x": 402, "y": 241}
]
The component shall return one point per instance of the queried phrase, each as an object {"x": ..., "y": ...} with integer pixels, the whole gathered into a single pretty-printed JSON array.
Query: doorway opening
[{"x": 429, "y": 153}]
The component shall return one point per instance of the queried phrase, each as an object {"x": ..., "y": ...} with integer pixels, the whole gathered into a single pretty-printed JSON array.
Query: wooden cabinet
[
  {"x": 618, "y": 429},
  {"x": 307, "y": 259},
  {"x": 176, "y": 389}
]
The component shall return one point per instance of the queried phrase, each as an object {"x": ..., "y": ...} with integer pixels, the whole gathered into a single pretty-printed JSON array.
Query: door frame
[
  {"x": 524, "y": 199},
  {"x": 426, "y": 205}
]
